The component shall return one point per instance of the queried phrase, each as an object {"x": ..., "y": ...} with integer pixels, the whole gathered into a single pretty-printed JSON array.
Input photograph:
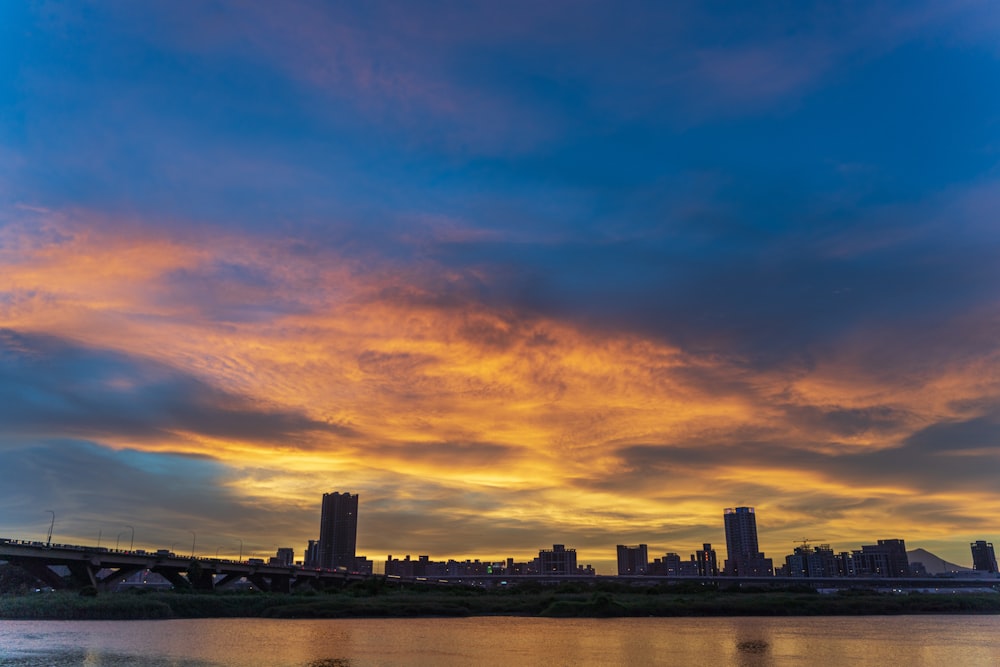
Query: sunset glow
[{"x": 514, "y": 286}]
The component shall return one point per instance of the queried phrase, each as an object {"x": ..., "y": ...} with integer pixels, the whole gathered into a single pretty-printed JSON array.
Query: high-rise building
[
  {"x": 338, "y": 531},
  {"x": 311, "y": 556},
  {"x": 672, "y": 564},
  {"x": 887, "y": 558},
  {"x": 983, "y": 556},
  {"x": 708, "y": 564},
  {"x": 633, "y": 560},
  {"x": 745, "y": 559},
  {"x": 557, "y": 560},
  {"x": 818, "y": 562}
]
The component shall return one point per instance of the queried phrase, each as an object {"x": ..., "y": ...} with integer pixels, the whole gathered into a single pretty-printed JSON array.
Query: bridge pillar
[
  {"x": 83, "y": 574},
  {"x": 173, "y": 575},
  {"x": 228, "y": 580},
  {"x": 281, "y": 583},
  {"x": 302, "y": 582},
  {"x": 41, "y": 571},
  {"x": 259, "y": 581},
  {"x": 112, "y": 580},
  {"x": 201, "y": 581}
]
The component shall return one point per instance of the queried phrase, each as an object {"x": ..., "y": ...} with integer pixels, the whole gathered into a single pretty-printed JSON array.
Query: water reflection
[
  {"x": 503, "y": 641},
  {"x": 93, "y": 658}
]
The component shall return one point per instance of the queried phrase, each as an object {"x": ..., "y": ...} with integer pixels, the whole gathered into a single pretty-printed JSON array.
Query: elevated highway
[
  {"x": 105, "y": 569},
  {"x": 89, "y": 565},
  {"x": 846, "y": 583}
]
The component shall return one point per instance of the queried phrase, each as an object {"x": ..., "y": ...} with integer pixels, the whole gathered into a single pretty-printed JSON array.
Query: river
[{"x": 953, "y": 641}]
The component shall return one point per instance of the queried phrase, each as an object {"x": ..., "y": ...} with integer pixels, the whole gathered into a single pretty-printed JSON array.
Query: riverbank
[{"x": 438, "y": 603}]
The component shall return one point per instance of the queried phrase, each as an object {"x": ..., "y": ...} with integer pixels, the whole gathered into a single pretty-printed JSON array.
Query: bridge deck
[{"x": 85, "y": 562}]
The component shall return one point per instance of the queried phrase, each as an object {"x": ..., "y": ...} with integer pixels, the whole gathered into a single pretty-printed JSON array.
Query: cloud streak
[{"x": 518, "y": 275}]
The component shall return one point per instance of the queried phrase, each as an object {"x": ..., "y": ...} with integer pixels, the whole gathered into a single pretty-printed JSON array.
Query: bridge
[
  {"x": 90, "y": 566},
  {"x": 722, "y": 581}
]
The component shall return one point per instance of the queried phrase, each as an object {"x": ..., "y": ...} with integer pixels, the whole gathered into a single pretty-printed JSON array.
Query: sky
[{"x": 516, "y": 273}]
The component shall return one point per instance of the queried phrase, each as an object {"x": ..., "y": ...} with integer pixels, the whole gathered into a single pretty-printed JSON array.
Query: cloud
[
  {"x": 560, "y": 268},
  {"x": 53, "y": 388}
]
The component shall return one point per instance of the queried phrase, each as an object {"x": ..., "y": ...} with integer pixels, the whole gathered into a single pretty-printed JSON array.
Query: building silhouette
[
  {"x": 557, "y": 560},
  {"x": 983, "y": 556},
  {"x": 338, "y": 531},
  {"x": 708, "y": 564},
  {"x": 819, "y": 561},
  {"x": 633, "y": 560},
  {"x": 745, "y": 558},
  {"x": 886, "y": 559},
  {"x": 284, "y": 556},
  {"x": 310, "y": 558}
]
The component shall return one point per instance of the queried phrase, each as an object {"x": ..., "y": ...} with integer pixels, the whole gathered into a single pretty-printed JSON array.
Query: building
[
  {"x": 745, "y": 558},
  {"x": 311, "y": 556},
  {"x": 338, "y": 531},
  {"x": 984, "y": 558},
  {"x": 816, "y": 562},
  {"x": 886, "y": 559},
  {"x": 844, "y": 562},
  {"x": 671, "y": 564},
  {"x": 284, "y": 556},
  {"x": 557, "y": 560},
  {"x": 633, "y": 560},
  {"x": 708, "y": 564}
]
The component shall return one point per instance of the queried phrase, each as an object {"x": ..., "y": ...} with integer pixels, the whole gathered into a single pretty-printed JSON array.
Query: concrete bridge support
[
  {"x": 227, "y": 581},
  {"x": 260, "y": 581},
  {"x": 83, "y": 574},
  {"x": 300, "y": 583},
  {"x": 281, "y": 583},
  {"x": 201, "y": 580},
  {"x": 42, "y": 572},
  {"x": 173, "y": 576},
  {"x": 111, "y": 581}
]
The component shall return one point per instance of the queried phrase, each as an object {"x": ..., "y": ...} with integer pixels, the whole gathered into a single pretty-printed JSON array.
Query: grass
[{"x": 557, "y": 602}]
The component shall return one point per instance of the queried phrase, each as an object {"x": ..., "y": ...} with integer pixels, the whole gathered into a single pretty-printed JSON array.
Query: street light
[
  {"x": 193, "y": 538},
  {"x": 131, "y": 543},
  {"x": 241, "y": 549},
  {"x": 118, "y": 538},
  {"x": 48, "y": 542}
]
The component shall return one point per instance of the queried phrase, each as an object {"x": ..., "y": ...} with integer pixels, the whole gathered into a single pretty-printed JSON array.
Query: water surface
[{"x": 954, "y": 641}]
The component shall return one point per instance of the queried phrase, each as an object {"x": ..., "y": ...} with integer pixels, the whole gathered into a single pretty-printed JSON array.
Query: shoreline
[{"x": 452, "y": 604}]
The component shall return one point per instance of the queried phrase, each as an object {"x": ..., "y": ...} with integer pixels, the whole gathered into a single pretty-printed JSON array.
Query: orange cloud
[{"x": 530, "y": 412}]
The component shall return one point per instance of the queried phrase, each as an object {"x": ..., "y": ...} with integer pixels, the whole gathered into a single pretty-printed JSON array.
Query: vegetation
[{"x": 368, "y": 600}]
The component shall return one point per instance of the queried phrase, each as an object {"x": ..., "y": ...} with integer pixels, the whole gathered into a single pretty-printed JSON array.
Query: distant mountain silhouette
[{"x": 934, "y": 564}]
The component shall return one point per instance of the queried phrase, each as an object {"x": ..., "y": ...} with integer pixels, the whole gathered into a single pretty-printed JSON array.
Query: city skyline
[
  {"x": 339, "y": 517},
  {"x": 517, "y": 274}
]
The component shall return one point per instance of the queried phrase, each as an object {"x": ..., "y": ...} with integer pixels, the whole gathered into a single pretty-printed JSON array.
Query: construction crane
[{"x": 806, "y": 540}]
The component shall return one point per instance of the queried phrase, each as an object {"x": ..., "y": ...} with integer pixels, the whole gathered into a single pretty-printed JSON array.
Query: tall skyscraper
[
  {"x": 745, "y": 559},
  {"x": 338, "y": 531},
  {"x": 983, "y": 556}
]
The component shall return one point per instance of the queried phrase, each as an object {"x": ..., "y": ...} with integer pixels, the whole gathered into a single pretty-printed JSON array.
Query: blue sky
[{"x": 569, "y": 251}]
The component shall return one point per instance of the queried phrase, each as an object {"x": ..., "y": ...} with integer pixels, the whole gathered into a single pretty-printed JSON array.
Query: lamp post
[
  {"x": 52, "y": 525},
  {"x": 131, "y": 542},
  {"x": 241, "y": 549},
  {"x": 193, "y": 538},
  {"x": 99, "y": 537},
  {"x": 118, "y": 538}
]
